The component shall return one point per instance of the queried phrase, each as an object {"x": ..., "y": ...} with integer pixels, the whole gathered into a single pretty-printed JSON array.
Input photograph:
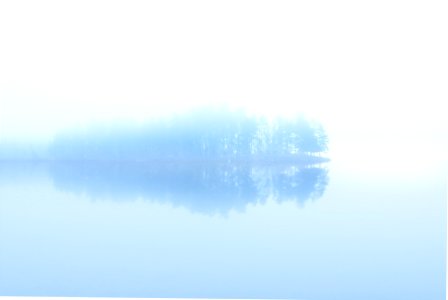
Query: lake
[{"x": 346, "y": 229}]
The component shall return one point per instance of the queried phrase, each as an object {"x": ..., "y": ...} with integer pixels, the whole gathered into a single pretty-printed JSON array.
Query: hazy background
[{"x": 374, "y": 73}]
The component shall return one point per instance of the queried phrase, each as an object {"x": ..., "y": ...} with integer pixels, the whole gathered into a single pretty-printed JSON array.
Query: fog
[
  {"x": 101, "y": 196},
  {"x": 372, "y": 76}
]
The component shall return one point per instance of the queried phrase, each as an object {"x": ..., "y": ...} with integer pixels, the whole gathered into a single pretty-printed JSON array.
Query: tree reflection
[{"x": 201, "y": 187}]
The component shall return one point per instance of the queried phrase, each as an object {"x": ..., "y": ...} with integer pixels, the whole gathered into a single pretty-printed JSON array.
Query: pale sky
[{"x": 363, "y": 68}]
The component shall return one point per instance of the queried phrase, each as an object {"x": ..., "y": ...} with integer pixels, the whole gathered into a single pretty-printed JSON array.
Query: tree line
[{"x": 207, "y": 133}]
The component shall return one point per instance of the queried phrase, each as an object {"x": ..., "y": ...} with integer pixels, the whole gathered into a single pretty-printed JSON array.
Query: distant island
[{"x": 201, "y": 135}]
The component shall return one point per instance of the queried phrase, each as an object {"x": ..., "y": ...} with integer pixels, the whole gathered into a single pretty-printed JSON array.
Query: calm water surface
[{"x": 344, "y": 230}]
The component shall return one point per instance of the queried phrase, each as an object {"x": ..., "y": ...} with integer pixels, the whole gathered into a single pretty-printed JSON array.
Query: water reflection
[{"x": 201, "y": 187}]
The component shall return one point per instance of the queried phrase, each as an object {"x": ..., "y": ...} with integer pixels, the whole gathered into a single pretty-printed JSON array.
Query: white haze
[{"x": 373, "y": 72}]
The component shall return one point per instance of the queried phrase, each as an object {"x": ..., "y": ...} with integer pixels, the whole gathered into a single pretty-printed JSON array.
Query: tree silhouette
[{"x": 207, "y": 133}]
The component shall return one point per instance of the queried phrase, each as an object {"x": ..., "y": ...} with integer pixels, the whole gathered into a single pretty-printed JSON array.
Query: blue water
[{"x": 340, "y": 230}]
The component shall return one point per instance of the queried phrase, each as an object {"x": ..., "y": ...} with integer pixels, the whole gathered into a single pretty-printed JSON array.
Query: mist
[{"x": 363, "y": 82}]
